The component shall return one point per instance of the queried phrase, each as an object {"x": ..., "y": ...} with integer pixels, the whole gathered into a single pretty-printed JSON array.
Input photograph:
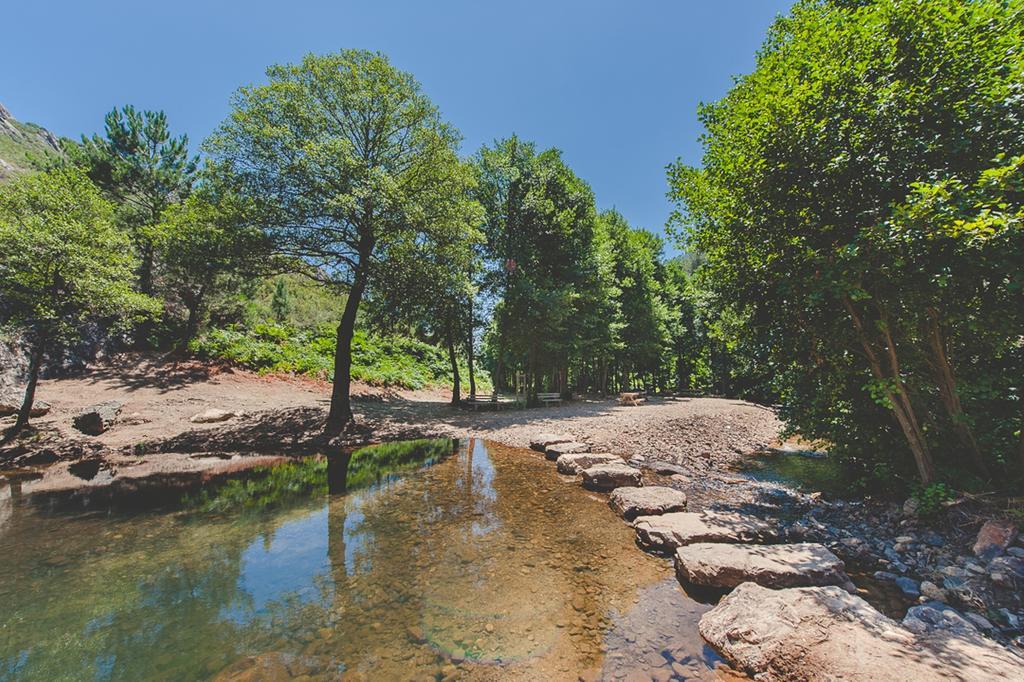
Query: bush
[{"x": 391, "y": 361}]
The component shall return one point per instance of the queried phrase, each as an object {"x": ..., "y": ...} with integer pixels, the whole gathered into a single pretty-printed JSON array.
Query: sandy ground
[{"x": 281, "y": 415}]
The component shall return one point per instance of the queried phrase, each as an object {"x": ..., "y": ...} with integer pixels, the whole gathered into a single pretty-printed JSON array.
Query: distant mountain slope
[{"x": 24, "y": 147}]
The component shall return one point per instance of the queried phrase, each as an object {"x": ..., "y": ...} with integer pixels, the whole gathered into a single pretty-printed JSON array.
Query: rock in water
[
  {"x": 98, "y": 418},
  {"x": 605, "y": 477},
  {"x": 572, "y": 464},
  {"x": 825, "y": 633},
  {"x": 668, "y": 531},
  {"x": 555, "y": 451},
  {"x": 713, "y": 564},
  {"x": 541, "y": 442},
  {"x": 993, "y": 539},
  {"x": 212, "y": 416},
  {"x": 630, "y": 503}
]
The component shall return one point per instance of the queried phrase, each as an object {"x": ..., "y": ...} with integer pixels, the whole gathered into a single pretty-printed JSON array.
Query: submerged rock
[
  {"x": 630, "y": 503},
  {"x": 574, "y": 463},
  {"x": 605, "y": 477},
  {"x": 541, "y": 442},
  {"x": 553, "y": 452},
  {"x": 724, "y": 565},
  {"x": 98, "y": 418},
  {"x": 668, "y": 531},
  {"x": 817, "y": 633},
  {"x": 993, "y": 539}
]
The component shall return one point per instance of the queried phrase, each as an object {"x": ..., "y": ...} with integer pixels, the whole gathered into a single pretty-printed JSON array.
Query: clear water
[
  {"x": 441, "y": 560},
  {"x": 807, "y": 471}
]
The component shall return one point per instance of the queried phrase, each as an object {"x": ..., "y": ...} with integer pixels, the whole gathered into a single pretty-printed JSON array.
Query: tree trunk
[
  {"x": 898, "y": 398},
  {"x": 35, "y": 363},
  {"x": 456, "y": 380},
  {"x": 469, "y": 361},
  {"x": 946, "y": 381},
  {"x": 341, "y": 405}
]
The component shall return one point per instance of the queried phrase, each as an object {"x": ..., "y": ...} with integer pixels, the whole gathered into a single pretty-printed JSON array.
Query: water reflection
[{"x": 484, "y": 566}]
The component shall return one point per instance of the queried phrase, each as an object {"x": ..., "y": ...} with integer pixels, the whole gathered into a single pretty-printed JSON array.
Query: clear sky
[{"x": 614, "y": 84}]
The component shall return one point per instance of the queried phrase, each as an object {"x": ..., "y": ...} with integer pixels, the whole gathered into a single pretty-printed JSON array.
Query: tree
[
  {"x": 205, "y": 250},
  {"x": 62, "y": 265},
  {"x": 140, "y": 166},
  {"x": 539, "y": 226},
  {"x": 817, "y": 169},
  {"x": 342, "y": 156}
]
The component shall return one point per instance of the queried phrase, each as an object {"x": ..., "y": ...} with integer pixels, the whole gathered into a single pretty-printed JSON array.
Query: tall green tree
[
  {"x": 206, "y": 249},
  {"x": 819, "y": 170},
  {"x": 143, "y": 169},
  {"x": 342, "y": 156},
  {"x": 63, "y": 264},
  {"x": 539, "y": 226}
]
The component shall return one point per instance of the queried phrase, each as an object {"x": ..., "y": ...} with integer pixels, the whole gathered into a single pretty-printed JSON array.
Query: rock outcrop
[
  {"x": 572, "y": 464},
  {"x": 826, "y": 633},
  {"x": 630, "y": 503},
  {"x": 606, "y": 477},
  {"x": 713, "y": 564},
  {"x": 667, "y": 532},
  {"x": 212, "y": 416}
]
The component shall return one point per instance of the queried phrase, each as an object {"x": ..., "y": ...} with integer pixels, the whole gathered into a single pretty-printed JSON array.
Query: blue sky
[{"x": 613, "y": 84}]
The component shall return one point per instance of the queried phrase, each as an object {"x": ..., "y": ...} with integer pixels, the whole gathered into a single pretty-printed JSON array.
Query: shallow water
[
  {"x": 481, "y": 564},
  {"x": 807, "y": 470}
]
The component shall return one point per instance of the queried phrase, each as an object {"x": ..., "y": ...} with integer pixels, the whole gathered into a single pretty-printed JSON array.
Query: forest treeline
[{"x": 852, "y": 240}]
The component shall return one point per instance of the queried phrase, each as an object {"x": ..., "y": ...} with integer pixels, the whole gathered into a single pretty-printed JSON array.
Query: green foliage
[
  {"x": 62, "y": 262},
  {"x": 862, "y": 228},
  {"x": 932, "y": 498},
  {"x": 396, "y": 361},
  {"x": 144, "y": 170},
  {"x": 26, "y": 147}
]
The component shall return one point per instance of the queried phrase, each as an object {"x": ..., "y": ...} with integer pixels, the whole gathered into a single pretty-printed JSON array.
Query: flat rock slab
[
  {"x": 826, "y": 633},
  {"x": 630, "y": 503},
  {"x": 605, "y": 477},
  {"x": 669, "y": 531},
  {"x": 541, "y": 441},
  {"x": 212, "y": 416},
  {"x": 714, "y": 564},
  {"x": 553, "y": 452},
  {"x": 574, "y": 463}
]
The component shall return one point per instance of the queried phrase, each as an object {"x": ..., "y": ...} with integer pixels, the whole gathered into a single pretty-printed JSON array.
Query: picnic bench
[
  {"x": 631, "y": 398},
  {"x": 548, "y": 398}
]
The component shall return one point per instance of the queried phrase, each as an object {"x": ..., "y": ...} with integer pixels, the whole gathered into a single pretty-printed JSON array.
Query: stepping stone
[
  {"x": 826, "y": 633},
  {"x": 541, "y": 442},
  {"x": 572, "y": 464},
  {"x": 553, "y": 452},
  {"x": 713, "y": 564},
  {"x": 605, "y": 477},
  {"x": 668, "y": 531},
  {"x": 630, "y": 503}
]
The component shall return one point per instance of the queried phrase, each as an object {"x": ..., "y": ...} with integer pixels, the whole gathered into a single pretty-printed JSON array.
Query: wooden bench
[{"x": 548, "y": 398}]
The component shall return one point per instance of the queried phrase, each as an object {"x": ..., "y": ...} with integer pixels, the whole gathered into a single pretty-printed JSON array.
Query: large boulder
[
  {"x": 714, "y": 564},
  {"x": 541, "y": 441},
  {"x": 826, "y": 633},
  {"x": 605, "y": 477},
  {"x": 574, "y": 463},
  {"x": 666, "y": 532},
  {"x": 98, "y": 418},
  {"x": 630, "y": 503},
  {"x": 993, "y": 539},
  {"x": 553, "y": 452}
]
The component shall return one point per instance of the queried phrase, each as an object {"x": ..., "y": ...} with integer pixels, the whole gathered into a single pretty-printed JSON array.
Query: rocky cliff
[{"x": 24, "y": 147}]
